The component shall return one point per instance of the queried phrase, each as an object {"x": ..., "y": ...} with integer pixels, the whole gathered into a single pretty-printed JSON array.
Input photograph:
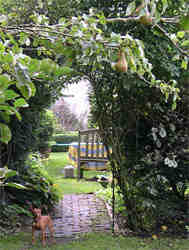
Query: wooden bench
[{"x": 94, "y": 150}]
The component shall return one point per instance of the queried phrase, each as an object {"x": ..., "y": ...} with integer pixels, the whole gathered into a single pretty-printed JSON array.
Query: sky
[{"x": 79, "y": 103}]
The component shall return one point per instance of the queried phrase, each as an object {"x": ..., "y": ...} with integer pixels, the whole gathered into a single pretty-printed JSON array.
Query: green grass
[
  {"x": 100, "y": 241},
  {"x": 55, "y": 165}
]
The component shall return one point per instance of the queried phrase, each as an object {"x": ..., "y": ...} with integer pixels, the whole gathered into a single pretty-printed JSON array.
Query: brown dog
[{"x": 41, "y": 222}]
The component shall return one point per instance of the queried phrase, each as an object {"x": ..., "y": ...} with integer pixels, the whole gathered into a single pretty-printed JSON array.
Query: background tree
[{"x": 67, "y": 117}]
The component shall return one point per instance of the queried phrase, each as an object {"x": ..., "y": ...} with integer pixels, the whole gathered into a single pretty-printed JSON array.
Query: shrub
[
  {"x": 60, "y": 148},
  {"x": 44, "y": 131},
  {"x": 10, "y": 222},
  {"x": 42, "y": 189},
  {"x": 66, "y": 138}
]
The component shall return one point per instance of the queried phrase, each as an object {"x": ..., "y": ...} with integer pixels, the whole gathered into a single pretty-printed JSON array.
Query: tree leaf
[
  {"x": 27, "y": 90},
  {"x": 6, "y": 107},
  {"x": 165, "y": 5},
  {"x": 185, "y": 43},
  {"x": 130, "y": 8},
  {"x": 180, "y": 34},
  {"x": 4, "y": 81},
  {"x": 184, "y": 64},
  {"x": 20, "y": 103},
  {"x": 184, "y": 23},
  {"x": 10, "y": 94},
  {"x": 5, "y": 133},
  {"x": 15, "y": 185},
  {"x": 9, "y": 172}
]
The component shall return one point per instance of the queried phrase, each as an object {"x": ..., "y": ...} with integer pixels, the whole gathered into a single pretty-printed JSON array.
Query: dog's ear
[
  {"x": 44, "y": 209},
  {"x": 30, "y": 207}
]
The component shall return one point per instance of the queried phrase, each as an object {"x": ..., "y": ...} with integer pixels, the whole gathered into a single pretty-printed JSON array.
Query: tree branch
[
  {"x": 137, "y": 18},
  {"x": 174, "y": 43}
]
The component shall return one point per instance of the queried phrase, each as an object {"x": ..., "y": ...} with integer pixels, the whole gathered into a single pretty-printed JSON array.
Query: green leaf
[
  {"x": 34, "y": 66},
  {"x": 66, "y": 70},
  {"x": 4, "y": 81},
  {"x": 63, "y": 71},
  {"x": 9, "y": 173},
  {"x": 174, "y": 105},
  {"x": 6, "y": 107},
  {"x": 10, "y": 111},
  {"x": 10, "y": 94},
  {"x": 15, "y": 185},
  {"x": 185, "y": 43},
  {"x": 184, "y": 64},
  {"x": 5, "y": 117},
  {"x": 130, "y": 8},
  {"x": 20, "y": 103},
  {"x": 45, "y": 65},
  {"x": 5, "y": 133},
  {"x": 27, "y": 90},
  {"x": 2, "y": 47},
  {"x": 184, "y": 23},
  {"x": 165, "y": 5},
  {"x": 15, "y": 111},
  {"x": 8, "y": 58},
  {"x": 180, "y": 34}
]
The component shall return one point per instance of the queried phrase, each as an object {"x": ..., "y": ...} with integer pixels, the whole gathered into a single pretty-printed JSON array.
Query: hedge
[
  {"x": 60, "y": 148},
  {"x": 65, "y": 138}
]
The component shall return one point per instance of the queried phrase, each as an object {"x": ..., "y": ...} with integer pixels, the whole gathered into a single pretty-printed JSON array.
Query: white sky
[{"x": 79, "y": 104}]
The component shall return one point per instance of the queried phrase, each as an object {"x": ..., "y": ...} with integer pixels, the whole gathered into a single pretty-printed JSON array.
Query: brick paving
[{"x": 77, "y": 214}]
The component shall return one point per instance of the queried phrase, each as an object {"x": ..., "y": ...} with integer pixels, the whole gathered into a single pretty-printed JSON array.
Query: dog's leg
[
  {"x": 43, "y": 237},
  {"x": 51, "y": 230},
  {"x": 33, "y": 235}
]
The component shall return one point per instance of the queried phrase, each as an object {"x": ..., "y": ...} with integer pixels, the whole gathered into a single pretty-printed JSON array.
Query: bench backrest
[
  {"x": 90, "y": 145},
  {"x": 90, "y": 148}
]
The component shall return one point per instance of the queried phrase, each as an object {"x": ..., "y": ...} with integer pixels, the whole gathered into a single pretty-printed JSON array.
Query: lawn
[
  {"x": 54, "y": 165},
  {"x": 96, "y": 241}
]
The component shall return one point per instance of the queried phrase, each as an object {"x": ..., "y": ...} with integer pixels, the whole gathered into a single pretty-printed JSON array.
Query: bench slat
[{"x": 93, "y": 151}]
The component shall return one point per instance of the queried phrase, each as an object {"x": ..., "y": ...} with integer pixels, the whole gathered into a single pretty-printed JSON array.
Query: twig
[{"x": 174, "y": 43}]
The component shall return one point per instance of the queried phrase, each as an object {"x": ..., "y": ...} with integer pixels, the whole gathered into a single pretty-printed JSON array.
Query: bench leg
[{"x": 81, "y": 173}]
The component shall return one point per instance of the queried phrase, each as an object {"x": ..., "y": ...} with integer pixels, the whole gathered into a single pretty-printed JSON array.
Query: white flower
[
  {"x": 174, "y": 164},
  {"x": 166, "y": 161},
  {"x": 158, "y": 143},
  {"x": 172, "y": 127},
  {"x": 154, "y": 130},
  {"x": 162, "y": 132},
  {"x": 170, "y": 163},
  {"x": 154, "y": 136}
]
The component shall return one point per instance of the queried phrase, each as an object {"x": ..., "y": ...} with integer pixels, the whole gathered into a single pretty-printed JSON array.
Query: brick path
[{"x": 78, "y": 214}]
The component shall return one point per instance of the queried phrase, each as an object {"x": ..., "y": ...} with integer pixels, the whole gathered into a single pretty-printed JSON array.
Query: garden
[
  {"x": 53, "y": 166},
  {"x": 134, "y": 54}
]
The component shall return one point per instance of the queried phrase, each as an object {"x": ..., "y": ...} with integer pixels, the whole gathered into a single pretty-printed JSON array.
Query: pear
[
  {"x": 146, "y": 20},
  {"x": 121, "y": 65}
]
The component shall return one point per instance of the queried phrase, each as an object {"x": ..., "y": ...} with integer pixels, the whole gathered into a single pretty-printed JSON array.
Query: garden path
[{"x": 77, "y": 214}]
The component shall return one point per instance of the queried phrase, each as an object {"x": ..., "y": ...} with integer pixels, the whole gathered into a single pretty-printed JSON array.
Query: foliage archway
[{"x": 139, "y": 103}]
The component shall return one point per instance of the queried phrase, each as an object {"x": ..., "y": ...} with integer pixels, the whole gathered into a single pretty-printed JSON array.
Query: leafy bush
[
  {"x": 42, "y": 189},
  {"x": 44, "y": 131},
  {"x": 60, "y": 148},
  {"x": 144, "y": 218},
  {"x": 66, "y": 138},
  {"x": 9, "y": 219}
]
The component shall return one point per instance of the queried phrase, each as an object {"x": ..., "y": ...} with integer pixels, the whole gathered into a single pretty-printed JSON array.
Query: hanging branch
[
  {"x": 174, "y": 43},
  {"x": 173, "y": 20}
]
